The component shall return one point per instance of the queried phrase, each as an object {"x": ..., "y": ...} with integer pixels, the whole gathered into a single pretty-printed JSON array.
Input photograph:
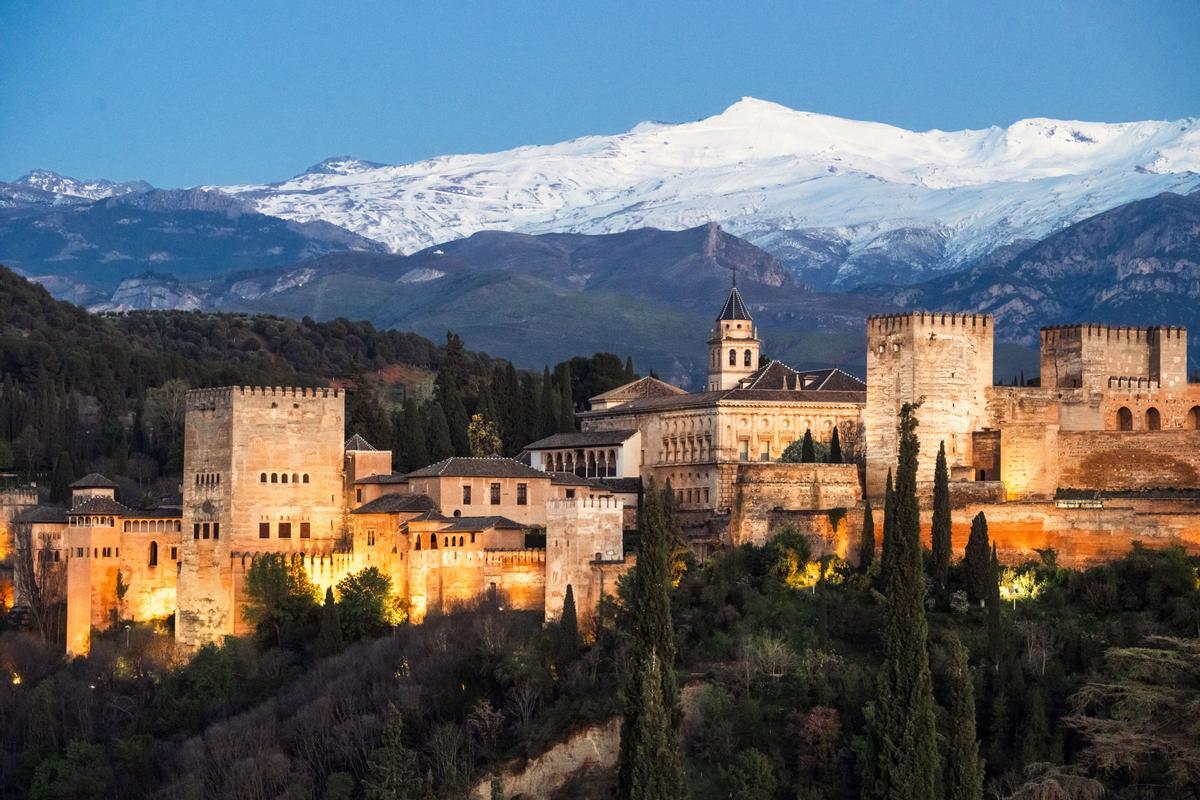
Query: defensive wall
[{"x": 763, "y": 487}]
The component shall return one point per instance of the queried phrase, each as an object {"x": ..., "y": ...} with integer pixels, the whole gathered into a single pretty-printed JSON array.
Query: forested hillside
[{"x": 82, "y": 392}]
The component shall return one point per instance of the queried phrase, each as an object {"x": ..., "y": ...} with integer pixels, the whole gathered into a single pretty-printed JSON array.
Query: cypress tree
[
  {"x": 568, "y": 630},
  {"x": 995, "y": 633},
  {"x": 1035, "y": 739},
  {"x": 60, "y": 481},
  {"x": 329, "y": 637},
  {"x": 889, "y": 527},
  {"x": 964, "y": 778},
  {"x": 549, "y": 406},
  {"x": 941, "y": 520},
  {"x": 566, "y": 401},
  {"x": 835, "y": 448},
  {"x": 438, "y": 432},
  {"x": 808, "y": 453},
  {"x": 630, "y": 375},
  {"x": 866, "y": 547},
  {"x": 449, "y": 397},
  {"x": 903, "y": 726},
  {"x": 977, "y": 559},
  {"x": 413, "y": 450},
  {"x": 649, "y": 763}
]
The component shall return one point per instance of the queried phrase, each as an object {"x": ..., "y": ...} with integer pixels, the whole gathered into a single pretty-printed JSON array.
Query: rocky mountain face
[
  {"x": 839, "y": 202},
  {"x": 52, "y": 183},
  {"x": 1137, "y": 264}
]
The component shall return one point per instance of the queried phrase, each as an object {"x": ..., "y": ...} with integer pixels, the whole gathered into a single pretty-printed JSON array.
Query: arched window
[
  {"x": 732, "y": 357},
  {"x": 305, "y": 476},
  {"x": 262, "y": 478},
  {"x": 1193, "y": 419},
  {"x": 433, "y": 541},
  {"x": 295, "y": 478},
  {"x": 1124, "y": 419},
  {"x": 418, "y": 544},
  {"x": 274, "y": 477},
  {"x": 1153, "y": 420},
  {"x": 283, "y": 478},
  {"x": 154, "y": 554},
  {"x": 746, "y": 359}
]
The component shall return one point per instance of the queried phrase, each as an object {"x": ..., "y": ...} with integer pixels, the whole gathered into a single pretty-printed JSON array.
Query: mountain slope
[
  {"x": 1137, "y": 264},
  {"x": 839, "y": 201}
]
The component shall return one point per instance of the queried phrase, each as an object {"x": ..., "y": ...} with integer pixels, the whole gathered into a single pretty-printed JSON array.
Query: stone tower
[
  {"x": 262, "y": 473},
  {"x": 583, "y": 549},
  {"x": 945, "y": 361},
  {"x": 733, "y": 345}
]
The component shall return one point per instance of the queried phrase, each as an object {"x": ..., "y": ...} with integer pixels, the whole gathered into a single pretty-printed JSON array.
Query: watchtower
[{"x": 733, "y": 345}]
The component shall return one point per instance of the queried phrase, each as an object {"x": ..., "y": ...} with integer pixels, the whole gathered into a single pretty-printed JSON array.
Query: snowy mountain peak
[
  {"x": 341, "y": 165},
  {"x": 49, "y": 181}
]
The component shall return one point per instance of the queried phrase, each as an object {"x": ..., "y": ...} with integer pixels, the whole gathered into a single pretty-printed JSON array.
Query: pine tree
[
  {"x": 438, "y": 432},
  {"x": 549, "y": 406},
  {"x": 1035, "y": 739},
  {"x": 649, "y": 763},
  {"x": 866, "y": 547},
  {"x": 329, "y": 637},
  {"x": 568, "y": 630},
  {"x": 941, "y": 521},
  {"x": 393, "y": 768},
  {"x": 835, "y": 447},
  {"x": 808, "y": 453},
  {"x": 60, "y": 482},
  {"x": 413, "y": 450},
  {"x": 449, "y": 396},
  {"x": 977, "y": 559},
  {"x": 903, "y": 725},
  {"x": 964, "y": 773}
]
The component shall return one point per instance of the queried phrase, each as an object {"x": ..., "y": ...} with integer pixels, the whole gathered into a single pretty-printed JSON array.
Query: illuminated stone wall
[
  {"x": 1112, "y": 460},
  {"x": 763, "y": 488},
  {"x": 581, "y": 537}
]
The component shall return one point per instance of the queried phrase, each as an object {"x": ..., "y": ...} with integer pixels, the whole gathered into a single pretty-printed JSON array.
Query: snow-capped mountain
[
  {"x": 839, "y": 201},
  {"x": 52, "y": 182}
]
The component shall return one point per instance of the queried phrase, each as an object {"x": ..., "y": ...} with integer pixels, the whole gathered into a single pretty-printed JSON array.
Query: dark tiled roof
[
  {"x": 780, "y": 376},
  {"x": 93, "y": 480},
  {"x": 621, "y": 485},
  {"x": 570, "y": 479},
  {"x": 166, "y": 512},
  {"x": 98, "y": 505},
  {"x": 582, "y": 439},
  {"x": 42, "y": 514},
  {"x": 734, "y": 308},
  {"x": 430, "y": 515},
  {"x": 706, "y": 399},
  {"x": 395, "y": 503},
  {"x": 483, "y": 524},
  {"x": 395, "y": 477},
  {"x": 489, "y": 467},
  {"x": 648, "y": 386},
  {"x": 357, "y": 442}
]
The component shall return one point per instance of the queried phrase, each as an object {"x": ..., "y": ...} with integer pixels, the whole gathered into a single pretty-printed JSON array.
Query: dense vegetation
[{"x": 81, "y": 392}]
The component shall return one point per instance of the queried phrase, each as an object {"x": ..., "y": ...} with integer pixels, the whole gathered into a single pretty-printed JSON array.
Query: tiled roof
[
  {"x": 98, "y": 505},
  {"x": 648, "y": 386},
  {"x": 734, "y": 308},
  {"x": 707, "y": 399},
  {"x": 42, "y": 514},
  {"x": 489, "y": 467},
  {"x": 780, "y": 376},
  {"x": 428, "y": 516},
  {"x": 582, "y": 439},
  {"x": 483, "y": 524},
  {"x": 93, "y": 480},
  {"x": 357, "y": 442},
  {"x": 570, "y": 479},
  {"x": 621, "y": 485},
  {"x": 395, "y": 503},
  {"x": 394, "y": 477}
]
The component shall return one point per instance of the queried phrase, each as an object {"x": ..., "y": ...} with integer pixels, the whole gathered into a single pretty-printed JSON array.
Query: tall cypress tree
[
  {"x": 889, "y": 527},
  {"x": 568, "y": 630},
  {"x": 437, "y": 433},
  {"x": 866, "y": 547},
  {"x": 964, "y": 768},
  {"x": 649, "y": 763},
  {"x": 548, "y": 406},
  {"x": 835, "y": 447},
  {"x": 413, "y": 450},
  {"x": 977, "y": 559},
  {"x": 941, "y": 521},
  {"x": 995, "y": 632},
  {"x": 903, "y": 724},
  {"x": 566, "y": 400},
  {"x": 808, "y": 453},
  {"x": 329, "y": 636},
  {"x": 630, "y": 375}
]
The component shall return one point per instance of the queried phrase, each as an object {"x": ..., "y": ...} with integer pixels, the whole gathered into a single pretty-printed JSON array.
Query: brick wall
[
  {"x": 1117, "y": 460},
  {"x": 764, "y": 487}
]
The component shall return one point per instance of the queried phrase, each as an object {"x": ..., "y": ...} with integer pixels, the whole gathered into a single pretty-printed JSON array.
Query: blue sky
[{"x": 180, "y": 93}]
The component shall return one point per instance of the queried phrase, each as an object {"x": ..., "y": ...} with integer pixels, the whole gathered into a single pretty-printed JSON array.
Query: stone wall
[
  {"x": 1112, "y": 460},
  {"x": 762, "y": 488},
  {"x": 581, "y": 536}
]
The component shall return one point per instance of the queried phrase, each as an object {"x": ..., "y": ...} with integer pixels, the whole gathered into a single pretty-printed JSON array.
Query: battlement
[
  {"x": 581, "y": 504},
  {"x": 1128, "y": 333},
  {"x": 224, "y": 396},
  {"x": 884, "y": 323}
]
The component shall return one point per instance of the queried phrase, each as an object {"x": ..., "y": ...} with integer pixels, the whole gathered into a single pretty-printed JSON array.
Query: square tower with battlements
[
  {"x": 1091, "y": 356},
  {"x": 943, "y": 360},
  {"x": 262, "y": 473}
]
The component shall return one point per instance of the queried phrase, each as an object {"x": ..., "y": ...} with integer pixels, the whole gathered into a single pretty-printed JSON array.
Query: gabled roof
[
  {"x": 734, "y": 308},
  {"x": 98, "y": 505},
  {"x": 394, "y": 477},
  {"x": 396, "y": 503},
  {"x": 432, "y": 515},
  {"x": 483, "y": 524},
  {"x": 780, "y": 376},
  {"x": 93, "y": 480},
  {"x": 582, "y": 439},
  {"x": 571, "y": 479},
  {"x": 358, "y": 443},
  {"x": 49, "y": 514},
  {"x": 648, "y": 386},
  {"x": 488, "y": 467},
  {"x": 621, "y": 485}
]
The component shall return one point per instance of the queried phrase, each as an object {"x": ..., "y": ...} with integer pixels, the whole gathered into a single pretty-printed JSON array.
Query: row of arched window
[
  {"x": 1153, "y": 419},
  {"x": 154, "y": 554},
  {"x": 282, "y": 477},
  {"x": 746, "y": 358},
  {"x": 447, "y": 541}
]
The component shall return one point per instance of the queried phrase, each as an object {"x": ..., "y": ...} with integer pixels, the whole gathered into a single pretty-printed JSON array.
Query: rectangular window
[
  {"x": 196, "y": 530},
  {"x": 570, "y": 494},
  {"x": 305, "y": 530},
  {"x": 174, "y": 553},
  {"x": 358, "y": 495},
  {"x": 216, "y": 530},
  {"x": 285, "y": 530},
  {"x": 204, "y": 531},
  {"x": 522, "y": 494},
  {"x": 495, "y": 494},
  {"x": 79, "y": 552},
  {"x": 706, "y": 497},
  {"x": 472, "y": 537},
  {"x": 744, "y": 450},
  {"x": 107, "y": 552},
  {"x": 466, "y": 495},
  {"x": 264, "y": 530},
  {"x": 764, "y": 452}
]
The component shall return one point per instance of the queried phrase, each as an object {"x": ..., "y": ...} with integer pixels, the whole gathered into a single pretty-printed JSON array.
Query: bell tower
[{"x": 733, "y": 344}]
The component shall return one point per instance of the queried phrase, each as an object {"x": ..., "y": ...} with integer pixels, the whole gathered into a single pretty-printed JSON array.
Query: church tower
[{"x": 733, "y": 344}]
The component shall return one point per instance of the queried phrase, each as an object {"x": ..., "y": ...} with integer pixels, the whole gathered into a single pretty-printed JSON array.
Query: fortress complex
[{"x": 1106, "y": 450}]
